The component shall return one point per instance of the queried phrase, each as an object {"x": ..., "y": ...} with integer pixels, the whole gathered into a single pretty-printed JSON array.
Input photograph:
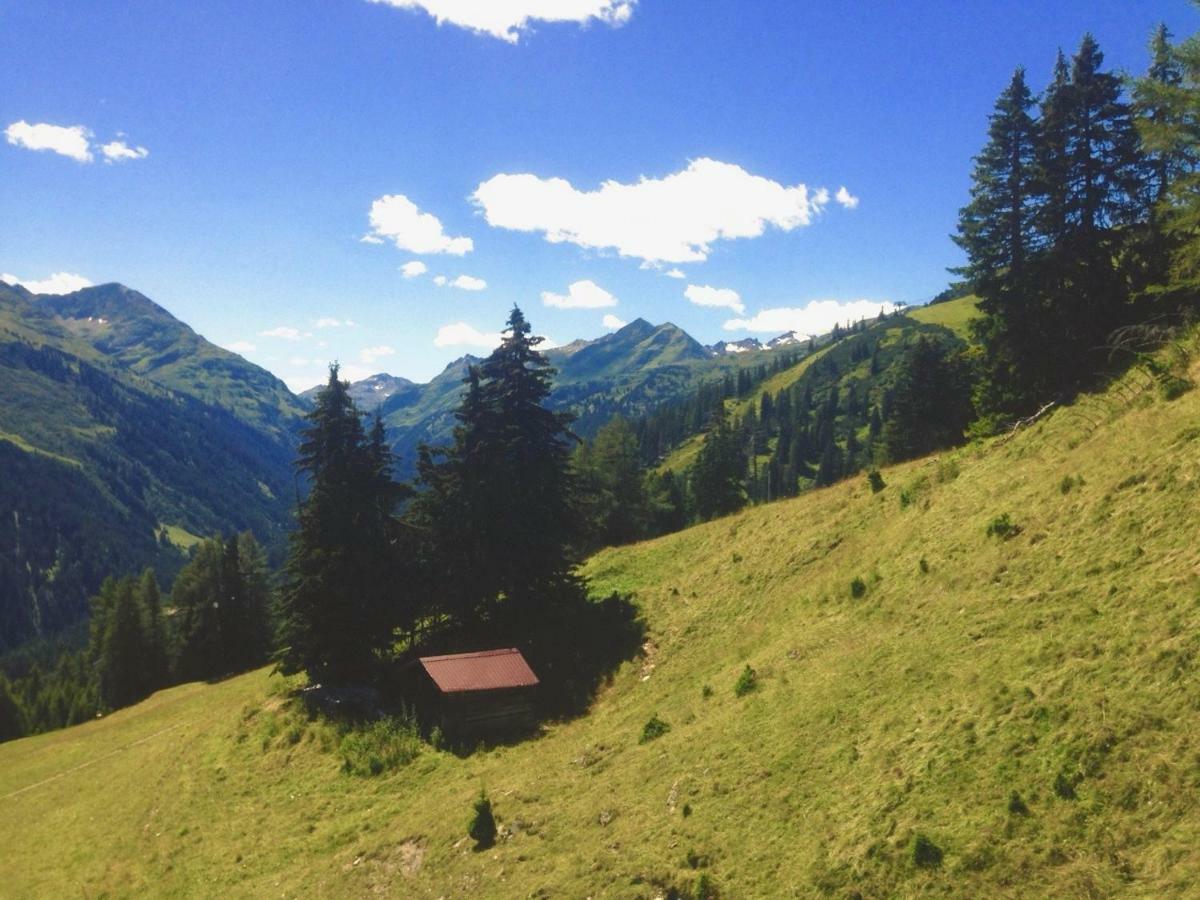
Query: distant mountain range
[
  {"x": 748, "y": 345},
  {"x": 628, "y": 373},
  {"x": 125, "y": 436}
]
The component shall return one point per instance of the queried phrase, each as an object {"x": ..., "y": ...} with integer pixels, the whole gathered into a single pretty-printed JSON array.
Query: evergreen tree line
[
  {"x": 865, "y": 402},
  {"x": 215, "y": 622},
  {"x": 484, "y": 541},
  {"x": 1080, "y": 224}
]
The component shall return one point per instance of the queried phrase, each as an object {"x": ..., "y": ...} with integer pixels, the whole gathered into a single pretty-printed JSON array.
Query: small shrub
[
  {"x": 875, "y": 480},
  {"x": 383, "y": 745},
  {"x": 687, "y": 810},
  {"x": 437, "y": 740},
  {"x": 706, "y": 691},
  {"x": 1171, "y": 387},
  {"x": 925, "y": 853},
  {"x": 705, "y": 888},
  {"x": 746, "y": 682},
  {"x": 1016, "y": 805},
  {"x": 1069, "y": 483},
  {"x": 654, "y": 728},
  {"x": 696, "y": 860},
  {"x": 923, "y": 565},
  {"x": 858, "y": 588},
  {"x": 482, "y": 826},
  {"x": 1064, "y": 786},
  {"x": 947, "y": 470},
  {"x": 1003, "y": 527}
]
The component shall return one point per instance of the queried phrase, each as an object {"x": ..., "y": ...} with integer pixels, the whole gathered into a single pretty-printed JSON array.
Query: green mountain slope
[
  {"x": 628, "y": 372},
  {"x": 1026, "y": 704},
  {"x": 122, "y": 430}
]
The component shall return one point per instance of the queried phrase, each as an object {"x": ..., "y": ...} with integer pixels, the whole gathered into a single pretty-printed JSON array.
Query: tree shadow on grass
[{"x": 574, "y": 643}]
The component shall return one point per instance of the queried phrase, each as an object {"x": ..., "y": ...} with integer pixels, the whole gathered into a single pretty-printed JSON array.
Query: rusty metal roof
[{"x": 487, "y": 670}]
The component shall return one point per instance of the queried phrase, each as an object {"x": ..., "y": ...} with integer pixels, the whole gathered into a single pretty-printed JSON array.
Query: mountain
[
  {"x": 125, "y": 436},
  {"x": 372, "y": 393},
  {"x": 745, "y": 345},
  {"x": 992, "y": 717},
  {"x": 628, "y": 372},
  {"x": 787, "y": 339}
]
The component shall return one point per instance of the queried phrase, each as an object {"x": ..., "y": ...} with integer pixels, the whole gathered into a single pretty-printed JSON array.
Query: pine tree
[
  {"x": 12, "y": 717},
  {"x": 121, "y": 662},
  {"x": 196, "y": 594},
  {"x": 718, "y": 473},
  {"x": 1159, "y": 119},
  {"x": 497, "y": 505},
  {"x": 150, "y": 599},
  {"x": 996, "y": 227},
  {"x": 1168, "y": 103},
  {"x": 930, "y": 405},
  {"x": 335, "y": 610},
  {"x": 612, "y": 485},
  {"x": 256, "y": 584},
  {"x": 1083, "y": 294},
  {"x": 997, "y": 231}
]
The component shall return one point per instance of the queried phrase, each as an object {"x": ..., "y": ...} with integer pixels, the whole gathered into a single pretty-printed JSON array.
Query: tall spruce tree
[
  {"x": 996, "y": 228},
  {"x": 121, "y": 659},
  {"x": 612, "y": 486},
  {"x": 1049, "y": 308},
  {"x": 930, "y": 402},
  {"x": 497, "y": 504},
  {"x": 1168, "y": 103},
  {"x": 337, "y": 611},
  {"x": 719, "y": 471}
]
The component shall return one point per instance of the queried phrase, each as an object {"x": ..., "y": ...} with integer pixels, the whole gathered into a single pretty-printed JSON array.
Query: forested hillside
[{"x": 125, "y": 436}]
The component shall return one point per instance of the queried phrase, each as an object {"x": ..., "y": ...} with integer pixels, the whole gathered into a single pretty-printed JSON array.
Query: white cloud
[
  {"x": 370, "y": 354},
  {"x": 282, "y": 331},
  {"x": 818, "y": 317},
  {"x": 414, "y": 269},
  {"x": 611, "y": 321},
  {"x": 580, "y": 295},
  {"x": 703, "y": 295},
  {"x": 240, "y": 347},
  {"x": 370, "y": 239},
  {"x": 441, "y": 280},
  {"x": 72, "y": 141},
  {"x": 119, "y": 151},
  {"x": 674, "y": 219},
  {"x": 675, "y": 273},
  {"x": 845, "y": 198},
  {"x": 468, "y": 283},
  {"x": 508, "y": 19},
  {"x": 331, "y": 322},
  {"x": 396, "y": 218},
  {"x": 57, "y": 283},
  {"x": 461, "y": 334}
]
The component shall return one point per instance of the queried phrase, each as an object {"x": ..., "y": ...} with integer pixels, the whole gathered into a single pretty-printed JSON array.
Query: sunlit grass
[{"x": 878, "y": 752}]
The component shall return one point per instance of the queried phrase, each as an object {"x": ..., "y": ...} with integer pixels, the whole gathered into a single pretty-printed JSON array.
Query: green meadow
[{"x": 981, "y": 680}]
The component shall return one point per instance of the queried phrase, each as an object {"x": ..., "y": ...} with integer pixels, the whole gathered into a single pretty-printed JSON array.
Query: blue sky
[{"x": 225, "y": 158}]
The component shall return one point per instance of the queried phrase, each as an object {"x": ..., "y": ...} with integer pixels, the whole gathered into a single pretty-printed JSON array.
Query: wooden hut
[{"x": 484, "y": 693}]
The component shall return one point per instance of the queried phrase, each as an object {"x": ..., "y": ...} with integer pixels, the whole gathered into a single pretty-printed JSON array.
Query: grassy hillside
[{"x": 1027, "y": 704}]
